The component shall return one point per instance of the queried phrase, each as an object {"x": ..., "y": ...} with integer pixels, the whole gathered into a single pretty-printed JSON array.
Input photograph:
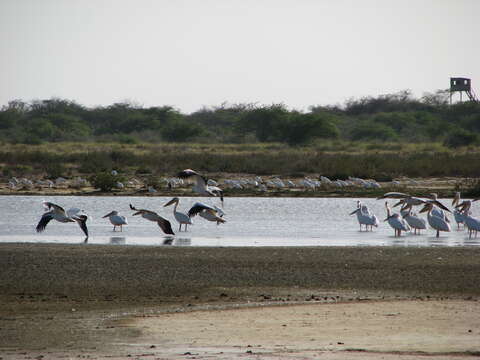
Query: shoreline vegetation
[{"x": 421, "y": 169}]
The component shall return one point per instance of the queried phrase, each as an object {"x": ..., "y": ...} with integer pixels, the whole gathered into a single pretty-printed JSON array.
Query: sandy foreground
[{"x": 124, "y": 302}]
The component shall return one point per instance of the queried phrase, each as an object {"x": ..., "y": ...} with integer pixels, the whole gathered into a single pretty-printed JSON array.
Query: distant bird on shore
[
  {"x": 153, "y": 216},
  {"x": 179, "y": 216},
  {"x": 57, "y": 213},
  {"x": 396, "y": 222},
  {"x": 210, "y": 213},
  {"x": 116, "y": 220},
  {"x": 201, "y": 186}
]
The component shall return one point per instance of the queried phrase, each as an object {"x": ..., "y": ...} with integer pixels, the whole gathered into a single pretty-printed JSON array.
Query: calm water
[{"x": 250, "y": 222}]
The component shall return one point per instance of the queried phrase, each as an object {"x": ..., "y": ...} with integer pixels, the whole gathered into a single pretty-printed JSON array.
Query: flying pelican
[
  {"x": 153, "y": 216},
  {"x": 201, "y": 185},
  {"x": 396, "y": 222},
  {"x": 58, "y": 213},
  {"x": 435, "y": 202},
  {"x": 406, "y": 199},
  {"x": 415, "y": 222},
  {"x": 436, "y": 222},
  {"x": 116, "y": 220},
  {"x": 181, "y": 218},
  {"x": 364, "y": 217},
  {"x": 210, "y": 213}
]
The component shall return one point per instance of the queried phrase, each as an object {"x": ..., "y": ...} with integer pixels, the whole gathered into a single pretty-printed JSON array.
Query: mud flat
[{"x": 147, "y": 302}]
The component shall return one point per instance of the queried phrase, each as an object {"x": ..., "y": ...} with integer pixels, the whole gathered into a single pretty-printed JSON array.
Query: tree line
[{"x": 384, "y": 118}]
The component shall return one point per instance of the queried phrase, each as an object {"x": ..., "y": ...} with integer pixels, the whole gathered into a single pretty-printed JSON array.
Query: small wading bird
[
  {"x": 210, "y": 213},
  {"x": 365, "y": 217},
  {"x": 396, "y": 222},
  {"x": 153, "y": 216},
  {"x": 437, "y": 222},
  {"x": 201, "y": 185},
  {"x": 58, "y": 213},
  {"x": 179, "y": 216},
  {"x": 116, "y": 220}
]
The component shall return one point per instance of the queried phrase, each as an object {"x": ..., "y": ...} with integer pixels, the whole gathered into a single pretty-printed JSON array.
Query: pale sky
[{"x": 194, "y": 53}]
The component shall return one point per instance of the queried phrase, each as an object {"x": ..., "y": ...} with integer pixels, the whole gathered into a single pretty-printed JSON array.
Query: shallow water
[{"x": 251, "y": 221}]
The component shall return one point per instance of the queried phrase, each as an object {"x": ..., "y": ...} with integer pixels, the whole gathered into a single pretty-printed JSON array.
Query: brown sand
[{"x": 104, "y": 302}]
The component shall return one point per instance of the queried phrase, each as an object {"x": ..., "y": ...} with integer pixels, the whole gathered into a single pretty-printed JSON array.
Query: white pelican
[
  {"x": 396, "y": 222},
  {"x": 459, "y": 218},
  {"x": 458, "y": 214},
  {"x": 437, "y": 203},
  {"x": 436, "y": 222},
  {"x": 181, "y": 218},
  {"x": 471, "y": 223},
  {"x": 58, "y": 213},
  {"x": 210, "y": 213},
  {"x": 364, "y": 217},
  {"x": 414, "y": 221},
  {"x": 201, "y": 185},
  {"x": 405, "y": 198},
  {"x": 116, "y": 220},
  {"x": 456, "y": 199},
  {"x": 153, "y": 216}
]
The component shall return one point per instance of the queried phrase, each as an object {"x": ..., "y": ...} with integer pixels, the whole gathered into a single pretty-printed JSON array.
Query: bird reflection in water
[
  {"x": 117, "y": 240},
  {"x": 177, "y": 242}
]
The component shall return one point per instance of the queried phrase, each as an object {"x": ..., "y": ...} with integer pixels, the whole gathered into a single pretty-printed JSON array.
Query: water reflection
[
  {"x": 118, "y": 240},
  {"x": 183, "y": 242}
]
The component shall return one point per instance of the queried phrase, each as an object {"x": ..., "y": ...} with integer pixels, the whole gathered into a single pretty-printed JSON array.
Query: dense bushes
[{"x": 392, "y": 117}]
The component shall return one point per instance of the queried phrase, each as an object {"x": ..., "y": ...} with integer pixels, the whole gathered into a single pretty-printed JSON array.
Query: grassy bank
[{"x": 382, "y": 162}]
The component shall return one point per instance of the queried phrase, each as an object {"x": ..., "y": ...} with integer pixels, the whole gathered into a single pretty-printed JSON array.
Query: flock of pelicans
[
  {"x": 406, "y": 220},
  {"x": 208, "y": 212}
]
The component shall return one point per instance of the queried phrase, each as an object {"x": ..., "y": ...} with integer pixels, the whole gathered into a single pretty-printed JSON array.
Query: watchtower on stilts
[{"x": 462, "y": 85}]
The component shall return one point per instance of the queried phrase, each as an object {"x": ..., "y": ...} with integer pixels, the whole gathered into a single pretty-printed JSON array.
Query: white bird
[
  {"x": 414, "y": 221},
  {"x": 458, "y": 214},
  {"x": 405, "y": 198},
  {"x": 364, "y": 217},
  {"x": 201, "y": 185},
  {"x": 56, "y": 212},
  {"x": 210, "y": 213},
  {"x": 116, "y": 220},
  {"x": 471, "y": 223},
  {"x": 181, "y": 218},
  {"x": 436, "y": 222},
  {"x": 153, "y": 216},
  {"x": 396, "y": 222},
  {"x": 459, "y": 218}
]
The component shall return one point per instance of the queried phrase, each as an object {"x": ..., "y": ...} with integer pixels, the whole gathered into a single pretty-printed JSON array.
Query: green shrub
[
  {"x": 104, "y": 181},
  {"x": 55, "y": 170},
  {"x": 461, "y": 137}
]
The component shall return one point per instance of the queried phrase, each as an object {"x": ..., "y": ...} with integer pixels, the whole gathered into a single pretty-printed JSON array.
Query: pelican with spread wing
[
  {"x": 153, "y": 216},
  {"x": 210, "y": 213},
  {"x": 56, "y": 212},
  {"x": 201, "y": 186}
]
